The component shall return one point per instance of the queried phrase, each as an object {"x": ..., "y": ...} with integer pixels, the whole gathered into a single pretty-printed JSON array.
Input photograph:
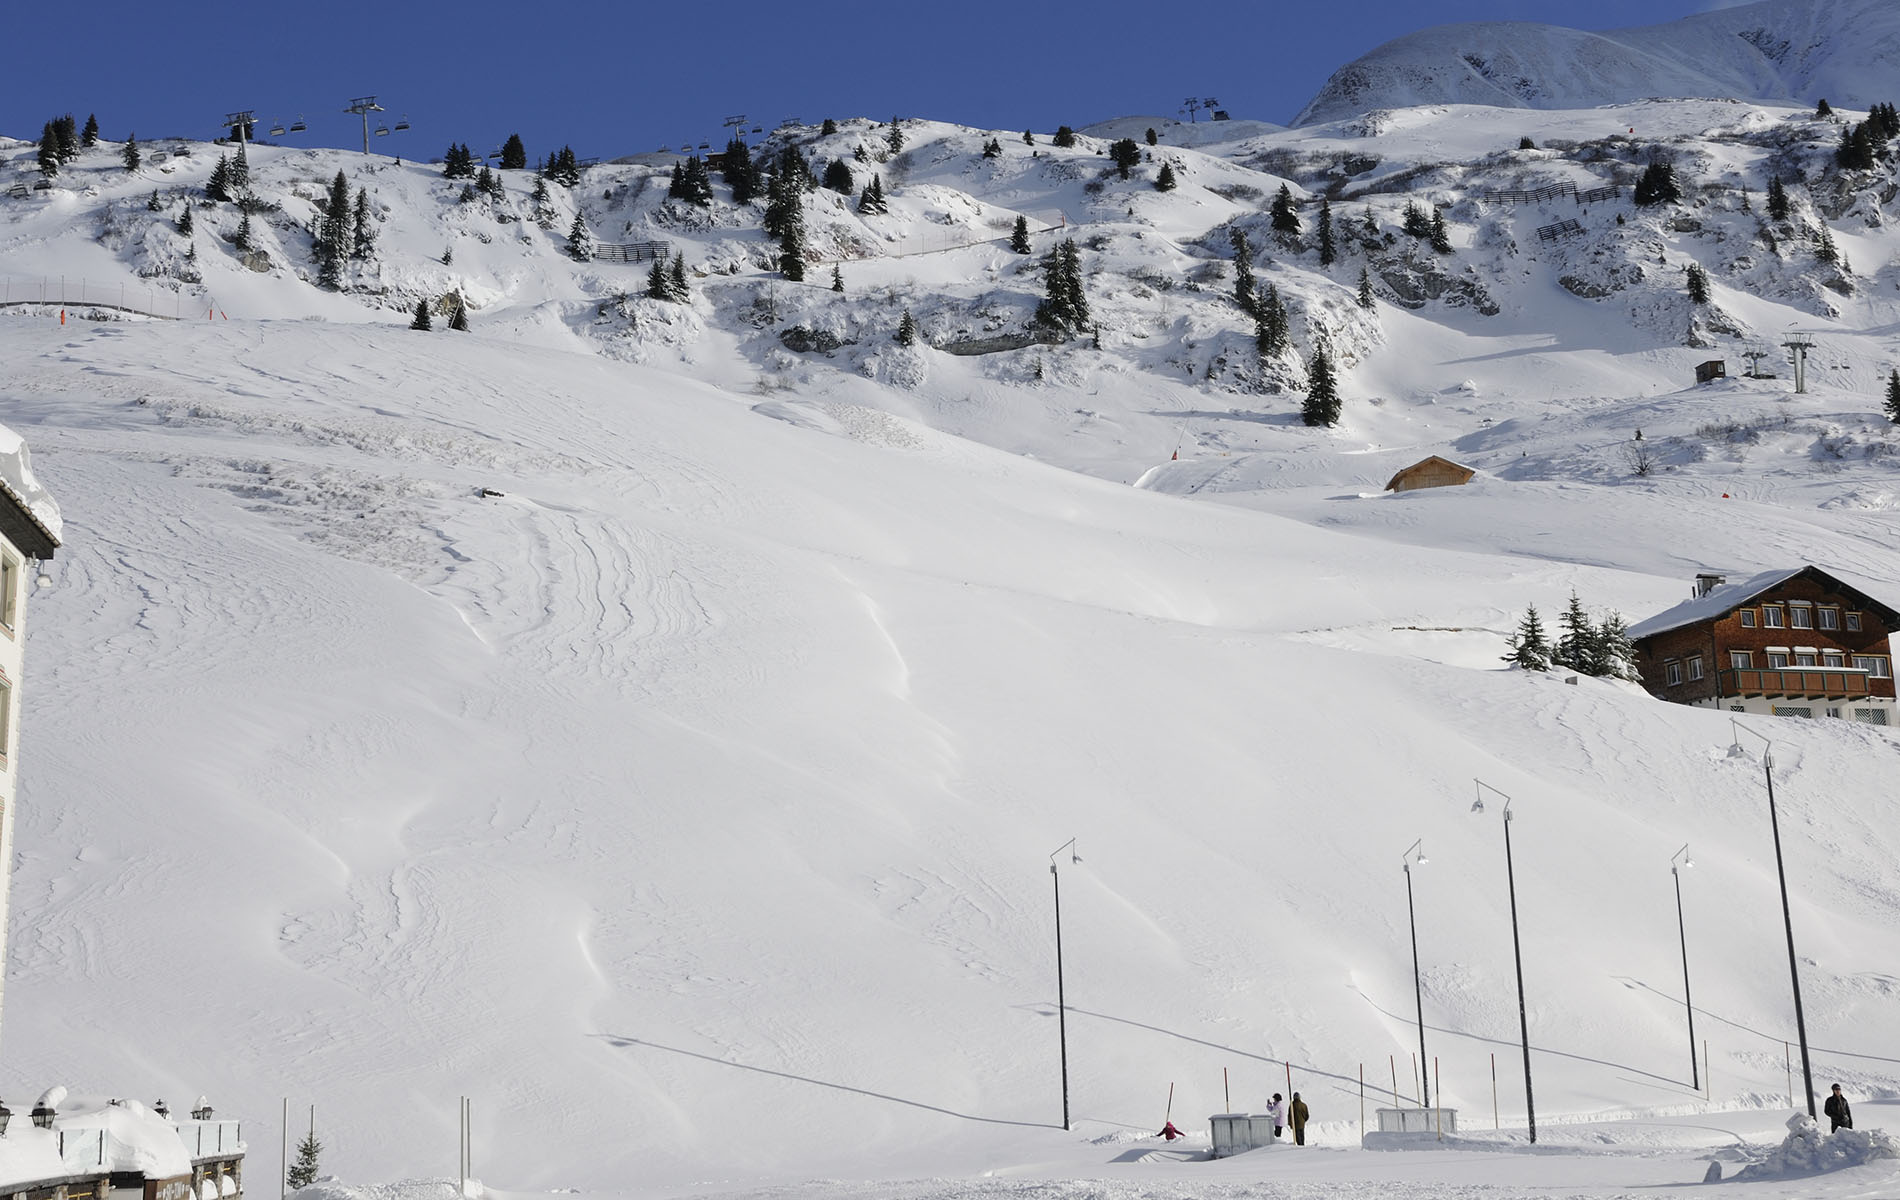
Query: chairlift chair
[
  {"x": 277, "y": 129},
  {"x": 382, "y": 131},
  {"x": 402, "y": 124},
  {"x": 705, "y": 145},
  {"x": 297, "y": 126}
]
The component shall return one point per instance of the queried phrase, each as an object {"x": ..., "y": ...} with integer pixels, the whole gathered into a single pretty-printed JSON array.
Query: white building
[{"x": 29, "y": 533}]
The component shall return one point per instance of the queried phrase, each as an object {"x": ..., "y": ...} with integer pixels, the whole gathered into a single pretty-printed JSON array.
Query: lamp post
[
  {"x": 1062, "y": 1012},
  {"x": 1787, "y": 920},
  {"x": 1416, "y": 854},
  {"x": 1682, "y": 931},
  {"x": 1517, "y": 951}
]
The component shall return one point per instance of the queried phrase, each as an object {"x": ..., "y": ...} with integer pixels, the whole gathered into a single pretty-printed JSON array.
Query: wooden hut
[
  {"x": 1715, "y": 368},
  {"x": 1429, "y": 473}
]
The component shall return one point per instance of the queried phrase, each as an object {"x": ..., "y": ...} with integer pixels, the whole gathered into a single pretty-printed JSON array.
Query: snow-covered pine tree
[
  {"x": 303, "y": 1172},
  {"x": 1328, "y": 250},
  {"x": 580, "y": 242},
  {"x": 243, "y": 238},
  {"x": 906, "y": 329},
  {"x": 152, "y": 204},
  {"x": 1615, "y": 652},
  {"x": 67, "y": 131},
  {"x": 896, "y": 139},
  {"x": 1657, "y": 185},
  {"x": 1529, "y": 646},
  {"x": 514, "y": 153},
  {"x": 1575, "y": 649},
  {"x": 363, "y": 227},
  {"x": 1777, "y": 199},
  {"x": 1824, "y": 249},
  {"x": 1153, "y": 137},
  {"x": 1164, "y": 179},
  {"x": 1322, "y": 391},
  {"x": 737, "y": 169},
  {"x": 1417, "y": 223},
  {"x": 1273, "y": 316},
  {"x": 1893, "y": 395},
  {"x": 1441, "y": 236},
  {"x": 218, "y": 187},
  {"x": 1064, "y": 138},
  {"x": 458, "y": 320},
  {"x": 1365, "y": 289},
  {"x": 657, "y": 287},
  {"x": 1698, "y": 281},
  {"x": 1285, "y": 219},
  {"x": 130, "y": 155},
  {"x": 1244, "y": 294},
  {"x": 676, "y": 280},
  {"x": 421, "y": 320},
  {"x": 1019, "y": 235},
  {"x": 48, "y": 159},
  {"x": 1065, "y": 306},
  {"x": 334, "y": 233},
  {"x": 89, "y": 136},
  {"x": 837, "y": 278},
  {"x": 828, "y": 128},
  {"x": 184, "y": 220}
]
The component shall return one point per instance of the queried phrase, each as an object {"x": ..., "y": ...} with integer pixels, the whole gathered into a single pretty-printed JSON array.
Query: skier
[
  {"x": 1837, "y": 1111},
  {"x": 1299, "y": 1120},
  {"x": 1277, "y": 1110}
]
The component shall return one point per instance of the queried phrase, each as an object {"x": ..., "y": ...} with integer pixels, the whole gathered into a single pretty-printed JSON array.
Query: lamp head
[{"x": 1477, "y": 806}]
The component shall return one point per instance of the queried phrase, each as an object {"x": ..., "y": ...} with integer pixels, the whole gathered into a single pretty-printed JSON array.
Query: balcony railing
[{"x": 1833, "y": 683}]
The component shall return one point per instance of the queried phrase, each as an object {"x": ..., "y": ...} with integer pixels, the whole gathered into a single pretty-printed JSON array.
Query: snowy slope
[
  {"x": 1774, "y": 50},
  {"x": 708, "y": 773}
]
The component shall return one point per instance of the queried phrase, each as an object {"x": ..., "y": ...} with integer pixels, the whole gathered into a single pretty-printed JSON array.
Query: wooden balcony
[{"x": 1806, "y": 683}]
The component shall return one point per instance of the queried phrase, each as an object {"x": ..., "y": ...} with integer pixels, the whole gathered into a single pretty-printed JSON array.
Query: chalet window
[
  {"x": 1741, "y": 660},
  {"x": 1833, "y": 710},
  {"x": 9, "y": 590},
  {"x": 1853, "y": 622},
  {"x": 1771, "y": 616},
  {"x": 1833, "y": 658},
  {"x": 1695, "y": 667},
  {"x": 1748, "y": 618},
  {"x": 1874, "y": 664},
  {"x": 1672, "y": 672},
  {"x": 1800, "y": 616},
  {"x": 6, "y": 716},
  {"x": 1805, "y": 658},
  {"x": 1830, "y": 618},
  {"x": 1794, "y": 710},
  {"x": 1871, "y": 716},
  {"x": 1738, "y": 708},
  {"x": 1777, "y": 660}
]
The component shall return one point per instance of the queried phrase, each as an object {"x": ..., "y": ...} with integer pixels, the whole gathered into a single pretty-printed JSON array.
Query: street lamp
[
  {"x": 1787, "y": 920},
  {"x": 1062, "y": 1017},
  {"x": 1416, "y": 854},
  {"x": 1675, "y": 872},
  {"x": 1517, "y": 951}
]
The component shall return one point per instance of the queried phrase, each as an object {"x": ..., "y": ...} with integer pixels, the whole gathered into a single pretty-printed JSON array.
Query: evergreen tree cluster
[
  {"x": 1065, "y": 307},
  {"x": 838, "y": 177},
  {"x": 336, "y": 233},
  {"x": 1285, "y": 219},
  {"x": 1657, "y": 185},
  {"x": 992, "y": 149},
  {"x": 691, "y": 182},
  {"x": 1417, "y": 222},
  {"x": 1272, "y": 332},
  {"x": 562, "y": 167},
  {"x": 514, "y": 154},
  {"x": 871, "y": 200},
  {"x": 59, "y": 143},
  {"x": 1125, "y": 154},
  {"x": 1862, "y": 143},
  {"x": 458, "y": 162},
  {"x": 739, "y": 172},
  {"x": 1600, "y": 649},
  {"x": 1063, "y": 140},
  {"x": 668, "y": 281}
]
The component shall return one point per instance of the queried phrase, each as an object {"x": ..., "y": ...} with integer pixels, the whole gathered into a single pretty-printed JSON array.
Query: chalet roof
[
  {"x": 1720, "y": 601},
  {"x": 1427, "y": 461},
  {"x": 23, "y": 527}
]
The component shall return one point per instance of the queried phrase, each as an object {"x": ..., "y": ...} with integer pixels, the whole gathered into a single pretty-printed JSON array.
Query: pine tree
[
  {"x": 363, "y": 244},
  {"x": 334, "y": 233},
  {"x": 1125, "y": 154},
  {"x": 1616, "y": 654},
  {"x": 1575, "y": 644},
  {"x": 676, "y": 280},
  {"x": 1279, "y": 328},
  {"x": 567, "y": 168},
  {"x": 458, "y": 320},
  {"x": 238, "y": 181},
  {"x": 152, "y": 204},
  {"x": 1823, "y": 110},
  {"x": 421, "y": 320},
  {"x": 1065, "y": 307},
  {"x": 458, "y": 162},
  {"x": 1777, "y": 200},
  {"x": 837, "y": 278},
  {"x": 1369, "y": 228},
  {"x": 1824, "y": 248},
  {"x": 740, "y": 175},
  {"x": 1285, "y": 219},
  {"x": 1698, "y": 284},
  {"x": 130, "y": 155},
  {"x": 1417, "y": 222},
  {"x": 1529, "y": 646},
  {"x": 1064, "y": 138},
  {"x": 1328, "y": 251},
  {"x": 1029, "y": 139},
  {"x": 1244, "y": 295},
  {"x": 1165, "y": 181},
  {"x": 218, "y": 187},
  {"x": 242, "y": 239},
  {"x": 1657, "y": 185},
  {"x": 49, "y": 151},
  {"x": 1893, "y": 395},
  {"x": 542, "y": 201},
  {"x": 828, "y": 128},
  {"x": 580, "y": 243},
  {"x": 838, "y": 177},
  {"x": 89, "y": 137},
  {"x": 992, "y": 149},
  {"x": 1322, "y": 392},
  {"x": 1525, "y": 143},
  {"x": 66, "y": 131},
  {"x": 906, "y": 330},
  {"x": 896, "y": 140},
  {"x": 657, "y": 287},
  {"x": 1019, "y": 236},
  {"x": 184, "y": 220},
  {"x": 303, "y": 1172},
  {"x": 1365, "y": 288},
  {"x": 514, "y": 153},
  {"x": 1441, "y": 237},
  {"x": 1153, "y": 137}
]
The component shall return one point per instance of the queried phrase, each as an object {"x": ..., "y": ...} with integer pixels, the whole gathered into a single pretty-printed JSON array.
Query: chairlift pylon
[
  {"x": 402, "y": 124},
  {"x": 297, "y": 126}
]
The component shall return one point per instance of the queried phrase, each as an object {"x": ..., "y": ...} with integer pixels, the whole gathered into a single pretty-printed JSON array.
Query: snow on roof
[
  {"x": 16, "y": 474},
  {"x": 1718, "y": 601}
]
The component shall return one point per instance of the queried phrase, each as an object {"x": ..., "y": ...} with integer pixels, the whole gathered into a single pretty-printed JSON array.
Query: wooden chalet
[
  {"x": 1429, "y": 473},
  {"x": 1789, "y": 643}
]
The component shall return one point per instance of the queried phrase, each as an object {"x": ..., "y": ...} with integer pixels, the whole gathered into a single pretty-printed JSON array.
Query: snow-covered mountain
[
  {"x": 1775, "y": 50},
  {"x": 654, "y": 719}
]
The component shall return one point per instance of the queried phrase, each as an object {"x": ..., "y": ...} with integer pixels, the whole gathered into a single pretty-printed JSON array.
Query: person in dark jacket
[
  {"x": 1835, "y": 1108},
  {"x": 1298, "y": 1112}
]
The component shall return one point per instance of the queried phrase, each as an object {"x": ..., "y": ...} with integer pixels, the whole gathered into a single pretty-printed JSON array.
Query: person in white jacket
[{"x": 1277, "y": 1110}]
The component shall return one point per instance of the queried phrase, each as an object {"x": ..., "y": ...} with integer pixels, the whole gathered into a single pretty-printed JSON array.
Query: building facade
[{"x": 1789, "y": 643}]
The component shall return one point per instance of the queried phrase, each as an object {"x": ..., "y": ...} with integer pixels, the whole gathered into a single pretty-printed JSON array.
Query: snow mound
[{"x": 1806, "y": 1152}]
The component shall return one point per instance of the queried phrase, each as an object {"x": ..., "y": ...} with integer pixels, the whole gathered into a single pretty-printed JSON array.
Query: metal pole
[
  {"x": 1062, "y": 1020},
  {"x": 283, "y": 1153},
  {"x": 1523, "y": 1015},
  {"x": 1695, "y": 1077},
  {"x": 1418, "y": 984},
  {"x": 1787, "y": 919}
]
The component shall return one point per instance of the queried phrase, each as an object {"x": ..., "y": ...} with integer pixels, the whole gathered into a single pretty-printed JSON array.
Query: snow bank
[
  {"x": 16, "y": 471},
  {"x": 1806, "y": 1152}
]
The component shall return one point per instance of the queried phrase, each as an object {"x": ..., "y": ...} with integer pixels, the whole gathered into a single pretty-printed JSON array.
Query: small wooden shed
[
  {"x": 1429, "y": 473},
  {"x": 1715, "y": 368}
]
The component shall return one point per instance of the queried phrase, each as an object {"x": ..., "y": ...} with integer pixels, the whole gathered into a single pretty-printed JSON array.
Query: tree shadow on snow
[{"x": 626, "y": 1043}]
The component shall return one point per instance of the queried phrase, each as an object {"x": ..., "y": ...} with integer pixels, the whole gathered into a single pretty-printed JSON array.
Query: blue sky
[{"x": 613, "y": 79}]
